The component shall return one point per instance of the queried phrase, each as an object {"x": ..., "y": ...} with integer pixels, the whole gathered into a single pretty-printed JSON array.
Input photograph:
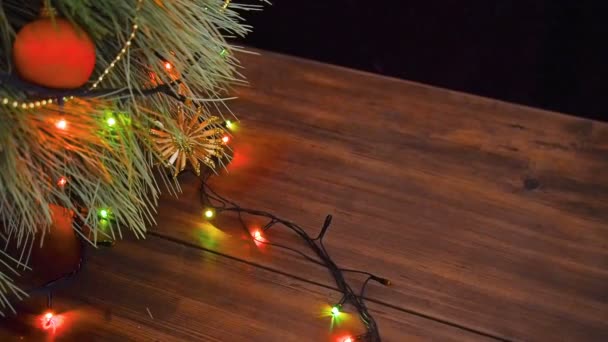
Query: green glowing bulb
[
  {"x": 104, "y": 213},
  {"x": 335, "y": 311},
  {"x": 229, "y": 124},
  {"x": 111, "y": 121},
  {"x": 209, "y": 213},
  {"x": 224, "y": 52}
]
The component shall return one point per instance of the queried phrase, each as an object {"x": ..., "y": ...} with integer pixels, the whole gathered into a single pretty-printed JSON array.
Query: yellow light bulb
[
  {"x": 209, "y": 213},
  {"x": 61, "y": 124}
]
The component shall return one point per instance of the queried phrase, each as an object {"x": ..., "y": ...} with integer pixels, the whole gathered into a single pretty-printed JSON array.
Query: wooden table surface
[{"x": 491, "y": 220}]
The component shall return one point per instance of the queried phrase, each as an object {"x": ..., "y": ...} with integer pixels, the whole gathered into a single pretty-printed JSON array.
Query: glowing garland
[
  {"x": 316, "y": 245},
  {"x": 34, "y": 104},
  {"x": 51, "y": 321}
]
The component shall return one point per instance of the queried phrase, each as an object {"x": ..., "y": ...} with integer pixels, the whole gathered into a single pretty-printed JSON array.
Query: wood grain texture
[
  {"x": 198, "y": 296},
  {"x": 489, "y": 215}
]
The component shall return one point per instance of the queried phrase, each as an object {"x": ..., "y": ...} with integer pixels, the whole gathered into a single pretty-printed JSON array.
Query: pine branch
[{"x": 107, "y": 166}]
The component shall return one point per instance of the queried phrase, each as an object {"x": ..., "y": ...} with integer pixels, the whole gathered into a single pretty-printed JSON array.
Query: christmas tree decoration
[
  {"x": 96, "y": 97},
  {"x": 84, "y": 88},
  {"x": 54, "y": 53},
  {"x": 196, "y": 142},
  {"x": 226, "y": 4}
]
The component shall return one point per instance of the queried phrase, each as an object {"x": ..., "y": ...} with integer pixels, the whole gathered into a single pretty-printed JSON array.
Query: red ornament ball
[{"x": 54, "y": 54}]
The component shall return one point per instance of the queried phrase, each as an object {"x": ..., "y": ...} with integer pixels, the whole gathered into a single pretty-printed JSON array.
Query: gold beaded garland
[
  {"x": 32, "y": 104},
  {"x": 123, "y": 51}
]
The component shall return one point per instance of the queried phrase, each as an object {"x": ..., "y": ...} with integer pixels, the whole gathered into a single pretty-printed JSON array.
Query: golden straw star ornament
[{"x": 197, "y": 141}]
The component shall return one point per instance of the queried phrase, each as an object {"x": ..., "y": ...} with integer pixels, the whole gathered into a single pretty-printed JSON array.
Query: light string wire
[
  {"x": 78, "y": 226},
  {"x": 212, "y": 199},
  {"x": 68, "y": 276}
]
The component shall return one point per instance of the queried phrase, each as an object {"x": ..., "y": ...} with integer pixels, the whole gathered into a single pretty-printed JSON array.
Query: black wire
[
  {"x": 212, "y": 199},
  {"x": 51, "y": 285},
  {"x": 363, "y": 287},
  {"x": 309, "y": 258},
  {"x": 43, "y": 92},
  {"x": 371, "y": 276}
]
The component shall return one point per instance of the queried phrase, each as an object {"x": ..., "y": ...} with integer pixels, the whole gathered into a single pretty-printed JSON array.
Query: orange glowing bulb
[
  {"x": 168, "y": 66},
  {"x": 225, "y": 139},
  {"x": 347, "y": 339},
  {"x": 61, "y": 124},
  {"x": 49, "y": 320},
  {"x": 62, "y": 181}
]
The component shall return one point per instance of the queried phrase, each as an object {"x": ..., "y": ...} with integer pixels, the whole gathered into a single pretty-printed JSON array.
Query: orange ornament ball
[{"x": 54, "y": 54}]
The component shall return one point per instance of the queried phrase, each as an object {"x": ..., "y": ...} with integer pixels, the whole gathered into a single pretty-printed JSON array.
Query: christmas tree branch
[{"x": 101, "y": 145}]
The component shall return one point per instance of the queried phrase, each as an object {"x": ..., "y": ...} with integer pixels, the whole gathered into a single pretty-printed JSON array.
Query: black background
[{"x": 547, "y": 54}]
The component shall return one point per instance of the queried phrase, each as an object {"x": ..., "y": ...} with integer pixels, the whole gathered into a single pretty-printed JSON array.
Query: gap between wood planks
[{"x": 270, "y": 269}]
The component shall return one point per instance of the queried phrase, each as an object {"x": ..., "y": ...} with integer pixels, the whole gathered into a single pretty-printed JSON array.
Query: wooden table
[{"x": 491, "y": 220}]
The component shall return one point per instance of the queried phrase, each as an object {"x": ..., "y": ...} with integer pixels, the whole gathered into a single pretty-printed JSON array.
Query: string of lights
[
  {"x": 27, "y": 95},
  {"x": 215, "y": 204},
  {"x": 212, "y": 200},
  {"x": 49, "y": 320}
]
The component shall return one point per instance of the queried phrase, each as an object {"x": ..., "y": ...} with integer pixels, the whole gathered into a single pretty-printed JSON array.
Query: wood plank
[
  {"x": 199, "y": 296},
  {"x": 486, "y": 214}
]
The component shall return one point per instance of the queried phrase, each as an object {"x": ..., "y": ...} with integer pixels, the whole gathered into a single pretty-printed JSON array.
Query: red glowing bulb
[
  {"x": 225, "y": 139},
  {"x": 257, "y": 235},
  {"x": 61, "y": 124},
  {"x": 168, "y": 66},
  {"x": 347, "y": 339},
  {"x": 62, "y": 181},
  {"x": 48, "y": 320}
]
